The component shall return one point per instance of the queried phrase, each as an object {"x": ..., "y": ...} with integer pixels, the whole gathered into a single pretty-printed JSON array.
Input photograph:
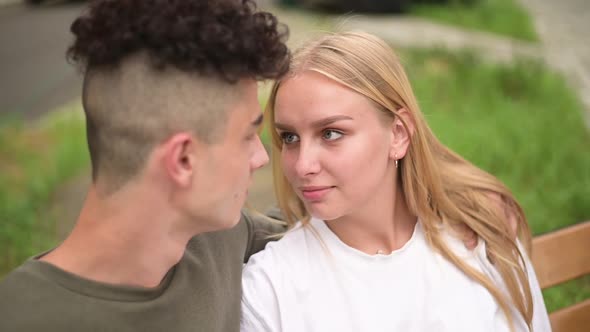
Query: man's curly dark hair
[
  {"x": 156, "y": 67},
  {"x": 207, "y": 36}
]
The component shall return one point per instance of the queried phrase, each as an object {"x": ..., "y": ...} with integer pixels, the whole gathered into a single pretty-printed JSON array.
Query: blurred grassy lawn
[
  {"x": 503, "y": 17},
  {"x": 520, "y": 122},
  {"x": 35, "y": 159}
]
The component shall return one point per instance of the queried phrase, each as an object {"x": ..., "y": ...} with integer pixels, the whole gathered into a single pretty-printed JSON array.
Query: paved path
[
  {"x": 407, "y": 31},
  {"x": 564, "y": 30},
  {"x": 404, "y": 31},
  {"x": 35, "y": 76}
]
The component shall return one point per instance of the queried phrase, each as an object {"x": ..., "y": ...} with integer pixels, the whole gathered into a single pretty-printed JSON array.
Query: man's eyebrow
[
  {"x": 256, "y": 123},
  {"x": 317, "y": 124}
]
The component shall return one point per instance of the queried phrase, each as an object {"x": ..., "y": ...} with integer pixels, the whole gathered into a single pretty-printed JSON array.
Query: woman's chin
[{"x": 324, "y": 214}]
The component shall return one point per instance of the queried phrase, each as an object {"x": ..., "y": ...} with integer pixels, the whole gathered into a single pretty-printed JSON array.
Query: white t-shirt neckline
[{"x": 340, "y": 248}]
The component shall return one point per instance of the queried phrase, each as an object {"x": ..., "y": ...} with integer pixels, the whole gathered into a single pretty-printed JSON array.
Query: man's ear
[
  {"x": 179, "y": 157},
  {"x": 401, "y": 135}
]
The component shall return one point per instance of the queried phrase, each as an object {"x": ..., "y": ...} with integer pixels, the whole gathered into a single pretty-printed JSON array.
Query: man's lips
[{"x": 314, "y": 193}]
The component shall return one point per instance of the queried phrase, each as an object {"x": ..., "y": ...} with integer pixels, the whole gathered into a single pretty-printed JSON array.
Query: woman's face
[{"x": 337, "y": 149}]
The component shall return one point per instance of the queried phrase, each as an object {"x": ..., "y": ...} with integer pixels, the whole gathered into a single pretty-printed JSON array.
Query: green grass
[
  {"x": 521, "y": 123},
  {"x": 571, "y": 292},
  {"x": 36, "y": 158},
  {"x": 504, "y": 17}
]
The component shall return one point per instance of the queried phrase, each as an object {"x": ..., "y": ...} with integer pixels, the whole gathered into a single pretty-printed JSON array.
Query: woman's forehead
[{"x": 314, "y": 94}]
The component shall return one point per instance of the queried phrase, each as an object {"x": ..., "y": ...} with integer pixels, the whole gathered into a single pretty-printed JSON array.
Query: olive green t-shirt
[{"x": 201, "y": 293}]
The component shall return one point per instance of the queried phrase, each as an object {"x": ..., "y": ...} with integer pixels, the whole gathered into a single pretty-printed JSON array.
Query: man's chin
[
  {"x": 220, "y": 224},
  {"x": 231, "y": 221}
]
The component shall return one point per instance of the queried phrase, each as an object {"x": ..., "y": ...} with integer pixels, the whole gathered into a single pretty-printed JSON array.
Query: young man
[{"x": 170, "y": 97}]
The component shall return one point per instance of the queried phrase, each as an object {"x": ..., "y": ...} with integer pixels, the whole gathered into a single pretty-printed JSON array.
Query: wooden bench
[{"x": 560, "y": 256}]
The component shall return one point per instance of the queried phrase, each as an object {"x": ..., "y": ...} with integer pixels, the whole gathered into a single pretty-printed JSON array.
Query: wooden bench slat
[
  {"x": 574, "y": 318},
  {"x": 562, "y": 255}
]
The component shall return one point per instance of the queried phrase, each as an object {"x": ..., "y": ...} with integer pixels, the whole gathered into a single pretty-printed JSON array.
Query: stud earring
[{"x": 396, "y": 162}]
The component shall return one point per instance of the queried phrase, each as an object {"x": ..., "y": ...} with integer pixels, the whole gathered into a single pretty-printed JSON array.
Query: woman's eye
[
  {"x": 331, "y": 135},
  {"x": 289, "y": 138}
]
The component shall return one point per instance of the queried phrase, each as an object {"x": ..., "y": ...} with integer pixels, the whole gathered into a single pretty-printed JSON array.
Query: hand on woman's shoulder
[
  {"x": 498, "y": 202},
  {"x": 470, "y": 238}
]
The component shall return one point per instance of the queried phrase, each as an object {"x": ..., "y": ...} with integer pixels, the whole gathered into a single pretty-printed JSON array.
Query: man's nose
[{"x": 260, "y": 157}]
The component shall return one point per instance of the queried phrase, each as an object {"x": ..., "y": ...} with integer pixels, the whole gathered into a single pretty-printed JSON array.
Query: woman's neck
[{"x": 379, "y": 227}]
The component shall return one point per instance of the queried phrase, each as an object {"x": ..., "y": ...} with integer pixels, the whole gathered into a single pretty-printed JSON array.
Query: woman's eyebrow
[
  {"x": 329, "y": 120},
  {"x": 318, "y": 123}
]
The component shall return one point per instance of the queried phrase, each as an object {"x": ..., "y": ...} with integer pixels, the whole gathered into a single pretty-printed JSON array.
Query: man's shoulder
[
  {"x": 23, "y": 293},
  {"x": 22, "y": 278},
  {"x": 281, "y": 267},
  {"x": 291, "y": 251}
]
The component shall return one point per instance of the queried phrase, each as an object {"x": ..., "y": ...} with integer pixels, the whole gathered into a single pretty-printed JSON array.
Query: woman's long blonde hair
[{"x": 439, "y": 186}]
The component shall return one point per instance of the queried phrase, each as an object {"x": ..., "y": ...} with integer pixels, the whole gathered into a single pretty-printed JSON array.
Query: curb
[{"x": 421, "y": 33}]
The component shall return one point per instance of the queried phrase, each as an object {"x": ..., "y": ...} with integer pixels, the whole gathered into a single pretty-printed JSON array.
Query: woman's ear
[{"x": 401, "y": 134}]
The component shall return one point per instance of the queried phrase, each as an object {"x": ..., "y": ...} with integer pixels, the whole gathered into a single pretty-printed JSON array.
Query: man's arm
[{"x": 262, "y": 228}]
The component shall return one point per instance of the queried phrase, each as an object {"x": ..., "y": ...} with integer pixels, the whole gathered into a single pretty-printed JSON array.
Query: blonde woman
[{"x": 376, "y": 207}]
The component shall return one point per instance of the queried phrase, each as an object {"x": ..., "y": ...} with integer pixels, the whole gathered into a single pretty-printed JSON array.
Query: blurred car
[
  {"x": 354, "y": 5},
  {"x": 38, "y": 2}
]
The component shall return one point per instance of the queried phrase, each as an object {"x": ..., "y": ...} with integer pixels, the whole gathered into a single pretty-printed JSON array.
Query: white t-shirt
[{"x": 298, "y": 284}]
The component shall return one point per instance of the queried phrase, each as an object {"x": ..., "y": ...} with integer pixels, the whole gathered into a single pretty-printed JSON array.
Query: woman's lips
[{"x": 315, "y": 193}]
